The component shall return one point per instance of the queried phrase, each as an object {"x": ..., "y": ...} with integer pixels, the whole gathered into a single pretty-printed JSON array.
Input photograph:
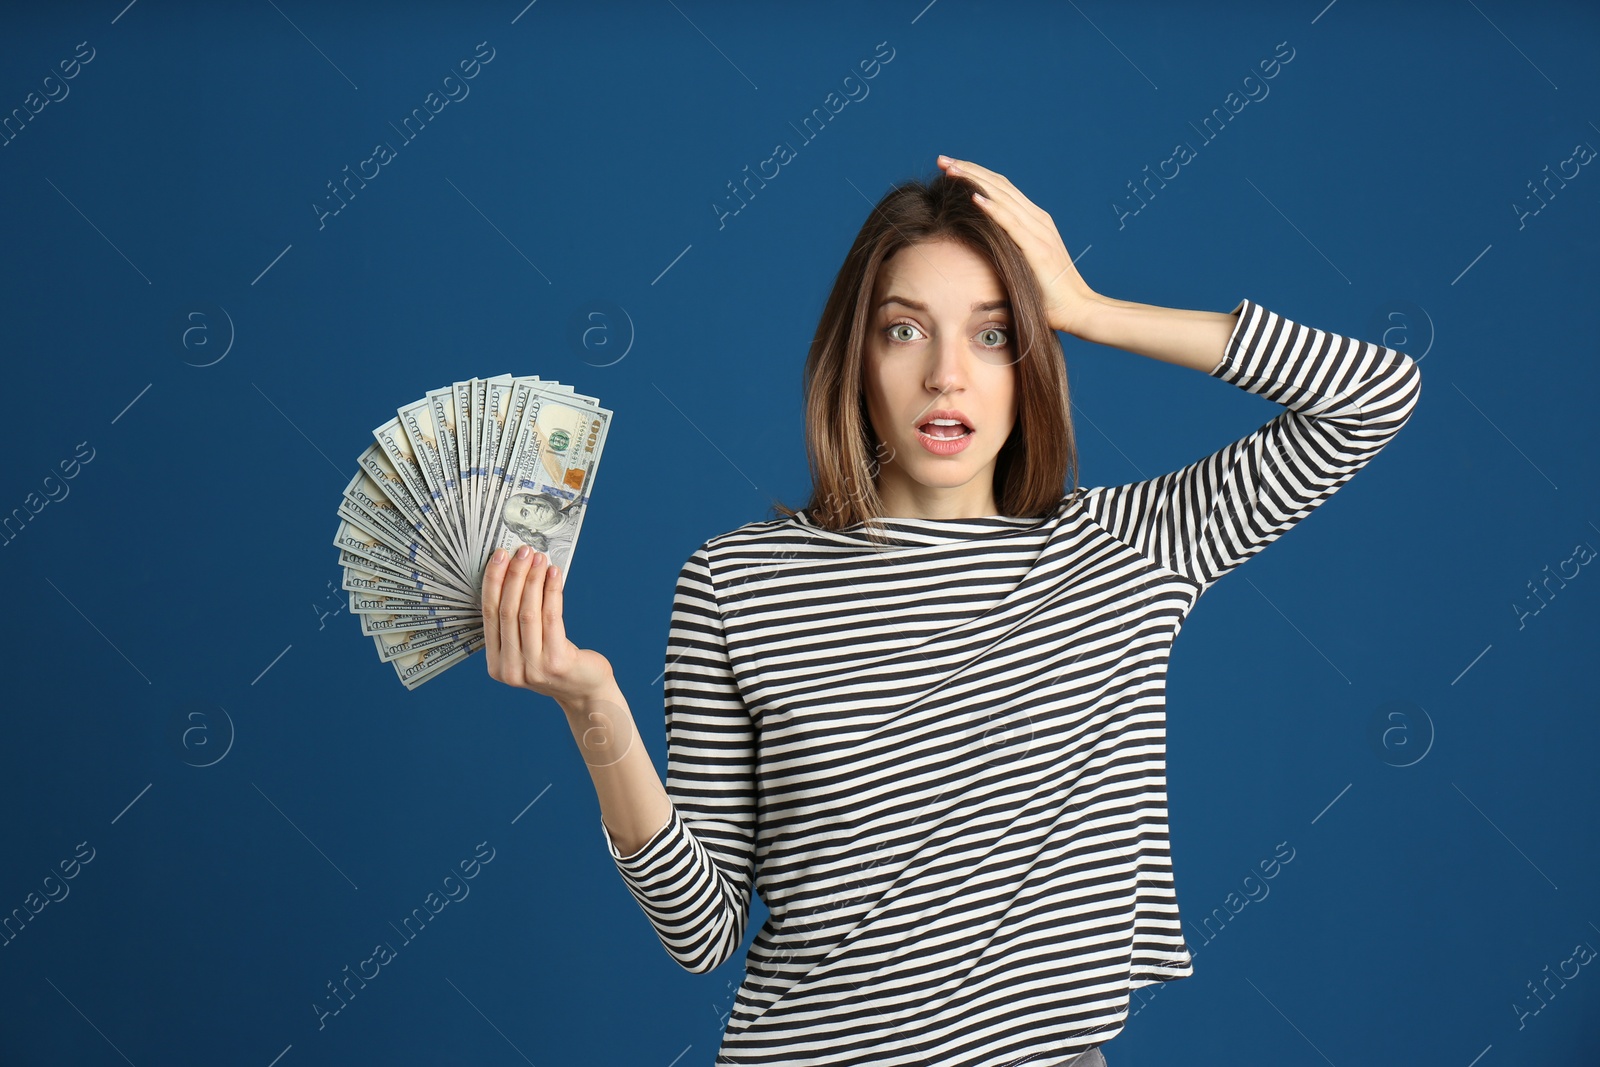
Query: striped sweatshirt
[{"x": 942, "y": 761}]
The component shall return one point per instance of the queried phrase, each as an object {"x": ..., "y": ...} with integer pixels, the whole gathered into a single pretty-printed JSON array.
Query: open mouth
[{"x": 944, "y": 429}]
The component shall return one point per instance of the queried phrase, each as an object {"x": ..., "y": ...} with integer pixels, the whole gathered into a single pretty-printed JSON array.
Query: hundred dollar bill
[
  {"x": 442, "y": 404},
  {"x": 396, "y": 445},
  {"x": 566, "y": 390},
  {"x": 461, "y": 413},
  {"x": 377, "y": 623},
  {"x": 363, "y": 580},
  {"x": 416, "y": 419},
  {"x": 433, "y": 573},
  {"x": 496, "y": 400},
  {"x": 480, "y": 401},
  {"x": 549, "y": 475},
  {"x": 394, "y": 644},
  {"x": 371, "y": 549},
  {"x": 373, "y": 504},
  {"x": 381, "y": 474},
  {"x": 477, "y": 402},
  {"x": 364, "y": 565},
  {"x": 520, "y": 393},
  {"x": 495, "y": 417},
  {"x": 354, "y": 563},
  {"x": 420, "y": 667},
  {"x": 382, "y": 604}
]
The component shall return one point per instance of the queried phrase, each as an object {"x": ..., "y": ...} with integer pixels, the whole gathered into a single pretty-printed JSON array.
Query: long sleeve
[
  {"x": 693, "y": 878},
  {"x": 1345, "y": 399}
]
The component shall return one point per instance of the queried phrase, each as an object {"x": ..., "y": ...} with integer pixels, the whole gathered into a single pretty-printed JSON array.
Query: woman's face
[{"x": 939, "y": 339}]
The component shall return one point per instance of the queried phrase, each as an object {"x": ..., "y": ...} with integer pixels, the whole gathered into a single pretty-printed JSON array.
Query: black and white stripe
[{"x": 943, "y": 762}]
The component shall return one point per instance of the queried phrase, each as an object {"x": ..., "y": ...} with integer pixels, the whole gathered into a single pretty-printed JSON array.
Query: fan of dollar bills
[{"x": 482, "y": 464}]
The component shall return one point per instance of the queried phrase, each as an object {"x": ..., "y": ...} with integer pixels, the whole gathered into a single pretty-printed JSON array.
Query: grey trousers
[{"x": 1093, "y": 1058}]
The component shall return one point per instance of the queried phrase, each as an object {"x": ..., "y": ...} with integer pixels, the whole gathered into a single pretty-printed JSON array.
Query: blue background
[{"x": 1366, "y": 690}]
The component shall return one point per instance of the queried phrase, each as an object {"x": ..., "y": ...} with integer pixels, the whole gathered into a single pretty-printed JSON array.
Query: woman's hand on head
[
  {"x": 524, "y": 636},
  {"x": 1067, "y": 297}
]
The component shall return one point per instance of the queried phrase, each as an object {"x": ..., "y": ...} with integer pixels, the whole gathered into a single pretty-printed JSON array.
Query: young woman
[{"x": 924, "y": 716}]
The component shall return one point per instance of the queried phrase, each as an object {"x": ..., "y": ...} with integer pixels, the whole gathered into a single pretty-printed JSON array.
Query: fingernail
[
  {"x": 522, "y": 551},
  {"x": 497, "y": 556}
]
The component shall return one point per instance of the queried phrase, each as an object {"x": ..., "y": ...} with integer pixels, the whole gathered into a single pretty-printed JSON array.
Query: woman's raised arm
[
  {"x": 1174, "y": 335},
  {"x": 1344, "y": 400},
  {"x": 1194, "y": 339}
]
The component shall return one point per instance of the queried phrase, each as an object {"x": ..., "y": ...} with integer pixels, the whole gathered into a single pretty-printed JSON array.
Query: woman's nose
[{"x": 947, "y": 370}]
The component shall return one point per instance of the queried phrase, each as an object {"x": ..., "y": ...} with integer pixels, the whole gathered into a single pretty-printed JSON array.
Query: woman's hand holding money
[{"x": 525, "y": 638}]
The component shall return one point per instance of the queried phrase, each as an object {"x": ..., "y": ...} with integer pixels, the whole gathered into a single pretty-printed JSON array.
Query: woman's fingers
[
  {"x": 530, "y": 615},
  {"x": 524, "y": 635},
  {"x": 494, "y": 574},
  {"x": 1067, "y": 297},
  {"x": 523, "y": 606},
  {"x": 511, "y": 652},
  {"x": 998, "y": 188},
  {"x": 555, "y": 628},
  {"x": 1029, "y": 224}
]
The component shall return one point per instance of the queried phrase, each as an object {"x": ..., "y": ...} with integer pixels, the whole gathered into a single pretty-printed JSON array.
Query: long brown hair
[{"x": 1032, "y": 467}]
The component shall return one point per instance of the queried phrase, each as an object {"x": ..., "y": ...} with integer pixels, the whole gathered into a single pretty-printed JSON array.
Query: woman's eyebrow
[{"x": 982, "y": 305}]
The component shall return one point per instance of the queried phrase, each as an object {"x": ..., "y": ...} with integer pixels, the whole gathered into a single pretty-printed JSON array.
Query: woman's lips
[{"x": 944, "y": 446}]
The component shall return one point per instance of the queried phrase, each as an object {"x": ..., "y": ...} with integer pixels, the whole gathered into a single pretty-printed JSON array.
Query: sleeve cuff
[
  {"x": 1245, "y": 310},
  {"x": 639, "y": 864}
]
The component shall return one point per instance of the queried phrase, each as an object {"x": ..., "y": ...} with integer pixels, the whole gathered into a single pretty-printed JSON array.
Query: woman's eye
[{"x": 992, "y": 337}]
